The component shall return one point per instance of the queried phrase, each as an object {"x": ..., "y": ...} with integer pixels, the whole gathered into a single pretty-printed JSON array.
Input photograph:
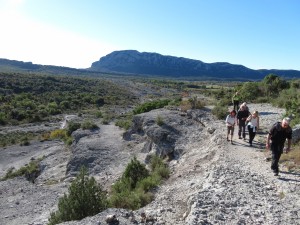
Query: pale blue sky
[{"x": 259, "y": 34}]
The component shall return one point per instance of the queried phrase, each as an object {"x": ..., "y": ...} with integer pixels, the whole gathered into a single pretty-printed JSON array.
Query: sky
[{"x": 259, "y": 34}]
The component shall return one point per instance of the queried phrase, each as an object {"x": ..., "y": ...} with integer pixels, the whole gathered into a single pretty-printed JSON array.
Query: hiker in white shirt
[
  {"x": 230, "y": 123},
  {"x": 253, "y": 125}
]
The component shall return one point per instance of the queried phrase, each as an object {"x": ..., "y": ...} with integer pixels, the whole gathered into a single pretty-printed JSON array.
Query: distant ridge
[
  {"x": 134, "y": 62},
  {"x": 7, "y": 65}
]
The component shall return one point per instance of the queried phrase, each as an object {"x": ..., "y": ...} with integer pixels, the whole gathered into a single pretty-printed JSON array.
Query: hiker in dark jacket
[
  {"x": 278, "y": 135},
  {"x": 242, "y": 116}
]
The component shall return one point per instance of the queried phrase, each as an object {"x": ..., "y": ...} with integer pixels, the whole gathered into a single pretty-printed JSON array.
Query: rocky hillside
[
  {"x": 134, "y": 62},
  {"x": 212, "y": 181}
]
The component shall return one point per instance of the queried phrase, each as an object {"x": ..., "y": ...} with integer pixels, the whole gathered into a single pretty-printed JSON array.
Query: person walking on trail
[
  {"x": 246, "y": 107},
  {"x": 230, "y": 123},
  {"x": 252, "y": 125},
  {"x": 278, "y": 134},
  {"x": 236, "y": 101},
  {"x": 242, "y": 116}
]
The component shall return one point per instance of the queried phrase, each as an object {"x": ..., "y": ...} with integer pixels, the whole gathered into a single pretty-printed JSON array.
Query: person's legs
[
  {"x": 244, "y": 131},
  {"x": 240, "y": 130},
  {"x": 235, "y": 105},
  {"x": 228, "y": 132},
  {"x": 276, "y": 153},
  {"x": 232, "y": 131},
  {"x": 251, "y": 136}
]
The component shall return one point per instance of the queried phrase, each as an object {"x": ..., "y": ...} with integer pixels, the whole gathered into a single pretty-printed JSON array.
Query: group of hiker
[{"x": 277, "y": 135}]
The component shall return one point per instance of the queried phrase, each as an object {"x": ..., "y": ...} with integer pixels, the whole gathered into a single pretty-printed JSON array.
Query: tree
[
  {"x": 274, "y": 84},
  {"x": 134, "y": 172},
  {"x": 250, "y": 91},
  {"x": 85, "y": 198}
]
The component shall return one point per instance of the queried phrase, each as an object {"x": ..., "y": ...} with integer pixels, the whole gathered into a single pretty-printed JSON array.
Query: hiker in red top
[{"x": 278, "y": 134}]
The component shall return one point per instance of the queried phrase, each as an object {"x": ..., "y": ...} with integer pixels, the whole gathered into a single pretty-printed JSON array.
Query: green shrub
[
  {"x": 134, "y": 172},
  {"x": 196, "y": 103},
  {"x": 24, "y": 141},
  {"x": 124, "y": 123},
  {"x": 85, "y": 198},
  {"x": 159, "y": 121},
  {"x": 131, "y": 200},
  {"x": 148, "y": 183},
  {"x": 72, "y": 126},
  {"x": 220, "y": 112},
  {"x": 3, "y": 120},
  {"x": 133, "y": 190},
  {"x": 163, "y": 171},
  {"x": 69, "y": 141},
  {"x": 88, "y": 125},
  {"x": 58, "y": 134},
  {"x": 148, "y": 106},
  {"x": 99, "y": 114},
  {"x": 176, "y": 101},
  {"x": 158, "y": 167},
  {"x": 155, "y": 161},
  {"x": 21, "y": 138},
  {"x": 106, "y": 119},
  {"x": 30, "y": 171}
]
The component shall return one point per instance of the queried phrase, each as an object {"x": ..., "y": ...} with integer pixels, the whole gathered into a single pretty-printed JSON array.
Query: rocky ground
[{"x": 212, "y": 181}]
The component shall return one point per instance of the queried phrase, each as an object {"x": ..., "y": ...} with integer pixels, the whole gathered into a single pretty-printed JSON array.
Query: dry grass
[
  {"x": 292, "y": 159},
  {"x": 185, "y": 105}
]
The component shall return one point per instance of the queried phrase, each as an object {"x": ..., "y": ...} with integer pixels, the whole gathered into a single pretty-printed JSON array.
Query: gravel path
[{"x": 241, "y": 189}]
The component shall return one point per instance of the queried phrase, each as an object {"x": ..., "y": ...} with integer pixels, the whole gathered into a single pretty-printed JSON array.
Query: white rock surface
[{"x": 212, "y": 181}]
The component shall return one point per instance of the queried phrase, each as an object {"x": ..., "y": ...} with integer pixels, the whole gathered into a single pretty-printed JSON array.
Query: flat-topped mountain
[
  {"x": 134, "y": 62},
  {"x": 131, "y": 62}
]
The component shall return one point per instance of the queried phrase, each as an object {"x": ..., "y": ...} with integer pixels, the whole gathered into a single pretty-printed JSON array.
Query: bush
[
  {"x": 158, "y": 167},
  {"x": 72, "y": 127},
  {"x": 99, "y": 114},
  {"x": 159, "y": 121},
  {"x": 88, "y": 125},
  {"x": 132, "y": 191},
  {"x": 148, "y": 106},
  {"x": 131, "y": 200},
  {"x": 220, "y": 112},
  {"x": 69, "y": 140},
  {"x": 106, "y": 119},
  {"x": 85, "y": 198},
  {"x": 24, "y": 141},
  {"x": 30, "y": 171},
  {"x": 134, "y": 172},
  {"x": 58, "y": 134},
  {"x": 149, "y": 183},
  {"x": 185, "y": 106},
  {"x": 162, "y": 171},
  {"x": 3, "y": 120},
  {"x": 195, "y": 103},
  {"x": 126, "y": 124}
]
